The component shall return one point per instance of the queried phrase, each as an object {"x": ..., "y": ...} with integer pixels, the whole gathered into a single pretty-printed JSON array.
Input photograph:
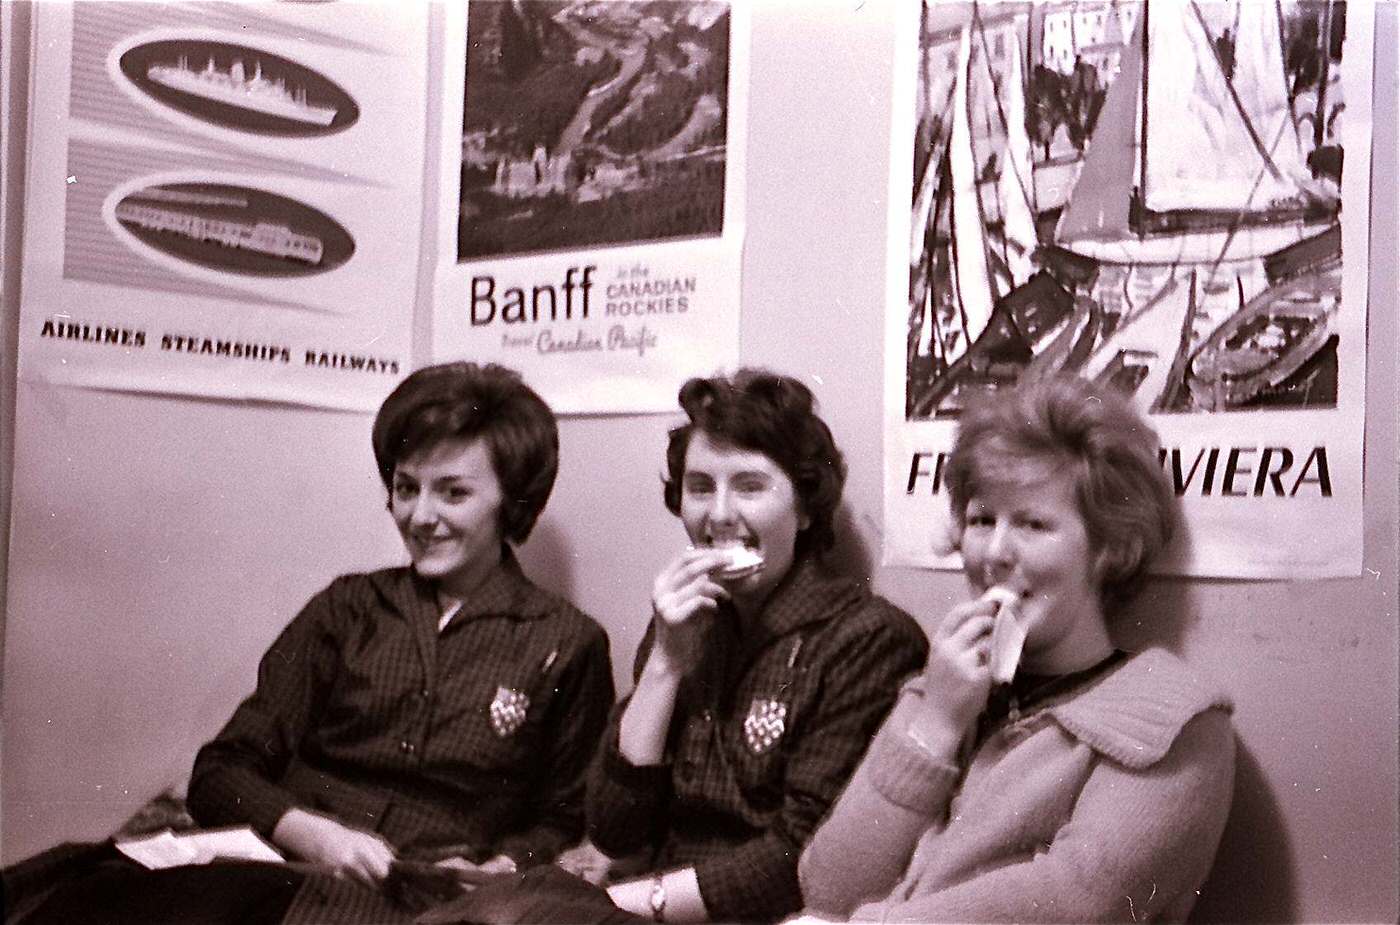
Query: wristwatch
[{"x": 658, "y": 899}]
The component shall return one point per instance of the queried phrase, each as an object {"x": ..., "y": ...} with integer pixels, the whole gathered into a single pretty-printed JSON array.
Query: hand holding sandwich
[
  {"x": 683, "y": 596},
  {"x": 963, "y": 664}
]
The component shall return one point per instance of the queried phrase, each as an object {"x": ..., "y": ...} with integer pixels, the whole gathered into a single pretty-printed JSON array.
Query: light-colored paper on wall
[{"x": 1150, "y": 195}]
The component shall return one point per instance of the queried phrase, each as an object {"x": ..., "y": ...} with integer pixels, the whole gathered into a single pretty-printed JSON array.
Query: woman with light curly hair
[{"x": 1035, "y": 772}]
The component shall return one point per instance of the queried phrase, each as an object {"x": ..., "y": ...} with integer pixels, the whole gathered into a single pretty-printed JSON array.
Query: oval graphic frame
[
  {"x": 234, "y": 229},
  {"x": 239, "y": 87}
]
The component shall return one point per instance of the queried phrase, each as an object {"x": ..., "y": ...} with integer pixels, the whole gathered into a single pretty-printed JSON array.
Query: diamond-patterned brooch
[
  {"x": 508, "y": 711},
  {"x": 765, "y": 724}
]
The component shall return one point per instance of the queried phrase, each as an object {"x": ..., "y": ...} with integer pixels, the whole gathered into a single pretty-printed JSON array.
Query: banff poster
[
  {"x": 1150, "y": 194},
  {"x": 217, "y": 199},
  {"x": 591, "y": 193}
]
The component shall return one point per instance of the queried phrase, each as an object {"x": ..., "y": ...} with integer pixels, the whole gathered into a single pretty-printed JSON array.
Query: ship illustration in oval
[
  {"x": 240, "y": 88},
  {"x": 237, "y": 229}
]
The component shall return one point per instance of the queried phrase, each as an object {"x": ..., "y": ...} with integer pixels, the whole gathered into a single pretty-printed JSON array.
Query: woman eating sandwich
[
  {"x": 761, "y": 678},
  {"x": 1035, "y": 772}
]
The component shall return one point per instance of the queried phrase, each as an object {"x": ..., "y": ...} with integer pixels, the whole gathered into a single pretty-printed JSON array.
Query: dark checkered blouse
[
  {"x": 765, "y": 733},
  {"x": 477, "y": 736}
]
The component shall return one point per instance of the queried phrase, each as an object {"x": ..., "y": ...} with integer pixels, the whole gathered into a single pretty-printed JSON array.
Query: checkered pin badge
[
  {"x": 765, "y": 724},
  {"x": 508, "y": 711}
]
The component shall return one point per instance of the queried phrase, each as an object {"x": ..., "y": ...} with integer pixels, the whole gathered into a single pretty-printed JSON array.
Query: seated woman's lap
[{"x": 119, "y": 892}]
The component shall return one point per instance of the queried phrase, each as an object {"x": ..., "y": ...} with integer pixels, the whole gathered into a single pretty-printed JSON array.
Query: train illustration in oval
[
  {"x": 237, "y": 229},
  {"x": 240, "y": 88}
]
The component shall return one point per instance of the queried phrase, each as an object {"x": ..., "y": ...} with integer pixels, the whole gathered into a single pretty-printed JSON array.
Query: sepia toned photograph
[
  {"x": 239, "y": 87},
  {"x": 750, "y": 462},
  {"x": 1146, "y": 194},
  {"x": 590, "y": 123},
  {"x": 235, "y": 228},
  {"x": 225, "y": 181}
]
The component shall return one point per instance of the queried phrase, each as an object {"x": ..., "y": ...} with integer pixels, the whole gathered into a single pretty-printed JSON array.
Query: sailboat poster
[{"x": 1149, "y": 194}]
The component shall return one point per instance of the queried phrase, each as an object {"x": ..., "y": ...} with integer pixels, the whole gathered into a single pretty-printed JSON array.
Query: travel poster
[
  {"x": 591, "y": 195},
  {"x": 1152, "y": 195},
  {"x": 218, "y": 195}
]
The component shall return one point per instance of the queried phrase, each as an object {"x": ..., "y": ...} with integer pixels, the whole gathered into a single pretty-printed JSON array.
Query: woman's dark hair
[
  {"x": 464, "y": 401},
  {"x": 1066, "y": 424},
  {"x": 772, "y": 414}
]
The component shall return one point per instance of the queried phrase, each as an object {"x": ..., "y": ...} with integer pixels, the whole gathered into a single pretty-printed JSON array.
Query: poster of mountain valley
[
  {"x": 591, "y": 189},
  {"x": 1152, "y": 195}
]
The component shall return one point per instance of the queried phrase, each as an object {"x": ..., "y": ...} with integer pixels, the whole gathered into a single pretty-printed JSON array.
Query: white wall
[{"x": 159, "y": 544}]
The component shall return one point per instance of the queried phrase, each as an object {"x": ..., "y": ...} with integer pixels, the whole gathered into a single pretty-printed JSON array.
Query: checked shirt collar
[
  {"x": 505, "y": 591},
  {"x": 805, "y": 595}
]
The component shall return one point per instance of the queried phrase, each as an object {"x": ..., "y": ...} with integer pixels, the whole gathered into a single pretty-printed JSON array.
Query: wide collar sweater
[{"x": 1104, "y": 802}]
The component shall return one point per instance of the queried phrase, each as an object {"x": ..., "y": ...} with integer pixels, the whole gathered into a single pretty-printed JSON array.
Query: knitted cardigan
[{"x": 1103, "y": 803}]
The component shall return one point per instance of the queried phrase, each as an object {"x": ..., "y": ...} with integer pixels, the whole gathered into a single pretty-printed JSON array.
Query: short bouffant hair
[
  {"x": 464, "y": 401},
  {"x": 1094, "y": 433},
  {"x": 764, "y": 412}
]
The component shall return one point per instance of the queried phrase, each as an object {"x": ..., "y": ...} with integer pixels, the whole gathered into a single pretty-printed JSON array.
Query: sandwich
[
  {"x": 1008, "y": 636},
  {"x": 740, "y": 562}
]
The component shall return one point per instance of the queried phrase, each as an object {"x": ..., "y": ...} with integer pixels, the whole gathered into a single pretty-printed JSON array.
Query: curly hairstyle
[
  {"x": 772, "y": 414},
  {"x": 464, "y": 401},
  {"x": 1064, "y": 423}
]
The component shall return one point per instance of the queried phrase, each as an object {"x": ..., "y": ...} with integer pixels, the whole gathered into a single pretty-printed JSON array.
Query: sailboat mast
[
  {"x": 955, "y": 258},
  {"x": 921, "y": 87},
  {"x": 1320, "y": 123},
  {"x": 1005, "y": 165},
  {"x": 938, "y": 262},
  {"x": 1035, "y": 25},
  {"x": 969, "y": 219},
  {"x": 1142, "y": 138}
]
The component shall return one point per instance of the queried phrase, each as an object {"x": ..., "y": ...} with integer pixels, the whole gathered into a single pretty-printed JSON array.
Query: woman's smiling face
[
  {"x": 1025, "y": 533},
  {"x": 446, "y": 502},
  {"x": 729, "y": 496}
]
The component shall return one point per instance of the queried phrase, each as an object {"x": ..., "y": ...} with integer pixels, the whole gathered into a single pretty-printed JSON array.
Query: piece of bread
[
  {"x": 742, "y": 562},
  {"x": 1008, "y": 636}
]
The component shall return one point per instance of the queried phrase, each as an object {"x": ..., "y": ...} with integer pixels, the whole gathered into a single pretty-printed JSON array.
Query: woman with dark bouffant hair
[
  {"x": 414, "y": 730},
  {"x": 1035, "y": 772},
  {"x": 444, "y": 712},
  {"x": 761, "y": 677}
]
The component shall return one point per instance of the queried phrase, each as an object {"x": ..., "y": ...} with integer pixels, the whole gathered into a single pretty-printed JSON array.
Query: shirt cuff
[
  {"x": 268, "y": 810},
  {"x": 634, "y": 776},
  {"x": 750, "y": 885},
  {"x": 238, "y": 798}
]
